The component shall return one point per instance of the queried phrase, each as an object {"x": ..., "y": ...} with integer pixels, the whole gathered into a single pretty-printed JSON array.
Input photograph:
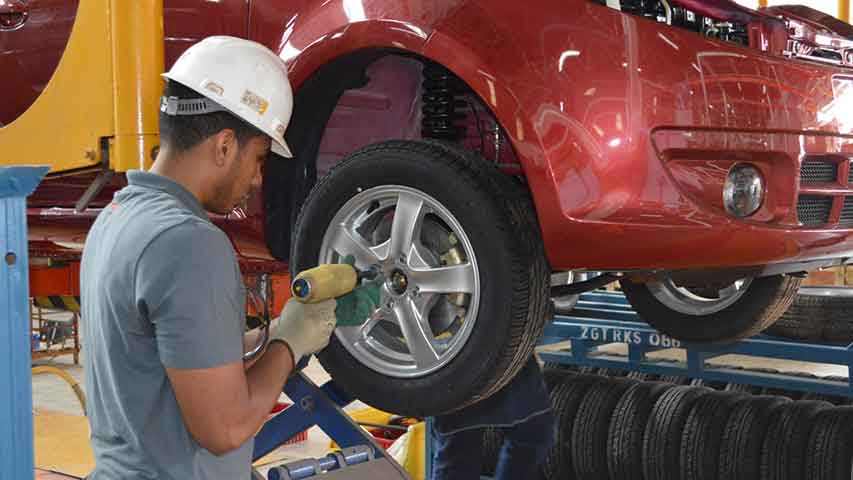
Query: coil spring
[{"x": 441, "y": 107}]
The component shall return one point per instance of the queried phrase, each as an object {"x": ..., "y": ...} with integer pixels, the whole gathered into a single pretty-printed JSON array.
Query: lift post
[{"x": 16, "y": 420}]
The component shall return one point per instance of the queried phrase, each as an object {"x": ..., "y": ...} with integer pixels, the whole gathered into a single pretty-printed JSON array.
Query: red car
[{"x": 696, "y": 150}]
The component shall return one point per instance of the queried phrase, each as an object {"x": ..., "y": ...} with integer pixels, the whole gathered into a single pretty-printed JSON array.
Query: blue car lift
[
  {"x": 602, "y": 318},
  {"x": 360, "y": 457},
  {"x": 16, "y": 397}
]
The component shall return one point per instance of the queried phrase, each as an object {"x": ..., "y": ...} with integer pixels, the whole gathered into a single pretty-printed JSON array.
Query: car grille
[
  {"x": 822, "y": 182},
  {"x": 818, "y": 171},
  {"x": 846, "y": 220},
  {"x": 813, "y": 210}
]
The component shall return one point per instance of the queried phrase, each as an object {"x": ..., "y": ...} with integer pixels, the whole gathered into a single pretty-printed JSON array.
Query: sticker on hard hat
[
  {"x": 215, "y": 88},
  {"x": 254, "y": 101},
  {"x": 280, "y": 128}
]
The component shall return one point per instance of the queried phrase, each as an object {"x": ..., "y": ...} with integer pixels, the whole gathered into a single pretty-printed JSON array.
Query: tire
[
  {"x": 662, "y": 439},
  {"x": 493, "y": 212},
  {"x": 625, "y": 435},
  {"x": 823, "y": 397},
  {"x": 565, "y": 399},
  {"x": 675, "y": 379},
  {"x": 592, "y": 423},
  {"x": 700, "y": 441},
  {"x": 743, "y": 437},
  {"x": 818, "y": 313},
  {"x": 701, "y": 382},
  {"x": 568, "y": 367},
  {"x": 778, "y": 392},
  {"x": 589, "y": 370},
  {"x": 553, "y": 376},
  {"x": 642, "y": 376},
  {"x": 762, "y": 302},
  {"x": 783, "y": 454},
  {"x": 830, "y": 447},
  {"x": 742, "y": 388}
]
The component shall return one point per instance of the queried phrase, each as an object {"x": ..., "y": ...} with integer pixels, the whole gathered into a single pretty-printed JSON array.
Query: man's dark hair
[{"x": 183, "y": 132}]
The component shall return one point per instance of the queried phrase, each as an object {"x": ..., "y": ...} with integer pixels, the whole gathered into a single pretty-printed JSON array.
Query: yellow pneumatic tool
[{"x": 328, "y": 281}]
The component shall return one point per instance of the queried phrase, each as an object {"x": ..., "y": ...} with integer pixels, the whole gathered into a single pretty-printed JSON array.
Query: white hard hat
[{"x": 239, "y": 76}]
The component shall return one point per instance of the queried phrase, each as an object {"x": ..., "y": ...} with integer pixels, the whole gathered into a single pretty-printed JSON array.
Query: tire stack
[
  {"x": 818, "y": 314},
  {"x": 621, "y": 428}
]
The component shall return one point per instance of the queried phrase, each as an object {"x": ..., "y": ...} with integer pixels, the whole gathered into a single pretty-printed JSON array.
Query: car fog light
[{"x": 743, "y": 191}]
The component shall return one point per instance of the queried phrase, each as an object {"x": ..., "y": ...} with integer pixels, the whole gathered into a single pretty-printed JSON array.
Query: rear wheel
[
  {"x": 712, "y": 313},
  {"x": 464, "y": 292}
]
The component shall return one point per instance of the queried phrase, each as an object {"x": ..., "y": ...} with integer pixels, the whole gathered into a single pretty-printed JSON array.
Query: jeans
[
  {"x": 521, "y": 410},
  {"x": 459, "y": 456}
]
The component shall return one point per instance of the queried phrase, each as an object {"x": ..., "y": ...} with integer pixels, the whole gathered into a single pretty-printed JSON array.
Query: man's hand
[{"x": 305, "y": 328}]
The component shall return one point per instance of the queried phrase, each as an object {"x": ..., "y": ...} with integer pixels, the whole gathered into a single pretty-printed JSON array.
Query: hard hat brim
[{"x": 280, "y": 149}]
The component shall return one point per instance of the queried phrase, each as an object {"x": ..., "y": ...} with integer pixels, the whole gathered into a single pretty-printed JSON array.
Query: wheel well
[{"x": 368, "y": 97}]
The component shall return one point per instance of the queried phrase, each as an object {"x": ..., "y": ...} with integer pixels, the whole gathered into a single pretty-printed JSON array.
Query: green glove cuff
[{"x": 356, "y": 307}]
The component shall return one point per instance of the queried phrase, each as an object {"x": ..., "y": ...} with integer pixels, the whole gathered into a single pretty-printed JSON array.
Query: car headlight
[{"x": 744, "y": 190}]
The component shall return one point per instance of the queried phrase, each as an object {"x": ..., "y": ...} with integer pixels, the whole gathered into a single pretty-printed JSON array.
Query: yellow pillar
[
  {"x": 137, "y": 63},
  {"x": 763, "y": 3},
  {"x": 844, "y": 10}
]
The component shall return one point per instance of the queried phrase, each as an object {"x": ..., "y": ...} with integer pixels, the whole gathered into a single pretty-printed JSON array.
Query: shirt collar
[{"x": 156, "y": 181}]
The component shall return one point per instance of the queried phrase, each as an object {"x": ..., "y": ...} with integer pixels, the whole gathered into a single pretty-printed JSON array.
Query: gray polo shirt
[{"x": 160, "y": 288}]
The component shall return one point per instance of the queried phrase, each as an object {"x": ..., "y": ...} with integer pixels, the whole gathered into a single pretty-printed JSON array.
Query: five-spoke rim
[{"x": 431, "y": 290}]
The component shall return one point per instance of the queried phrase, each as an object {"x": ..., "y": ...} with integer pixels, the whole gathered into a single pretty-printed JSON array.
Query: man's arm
[
  {"x": 224, "y": 406},
  {"x": 187, "y": 286}
]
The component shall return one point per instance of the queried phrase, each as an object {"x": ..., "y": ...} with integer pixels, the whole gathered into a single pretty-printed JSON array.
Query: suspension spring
[{"x": 442, "y": 109}]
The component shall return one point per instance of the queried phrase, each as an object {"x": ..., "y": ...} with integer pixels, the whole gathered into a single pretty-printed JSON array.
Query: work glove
[
  {"x": 357, "y": 307},
  {"x": 304, "y": 327}
]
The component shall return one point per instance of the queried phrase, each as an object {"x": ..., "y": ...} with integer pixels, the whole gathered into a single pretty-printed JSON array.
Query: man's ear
[{"x": 226, "y": 147}]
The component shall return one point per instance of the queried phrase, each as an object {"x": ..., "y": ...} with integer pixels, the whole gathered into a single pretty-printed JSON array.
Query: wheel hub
[{"x": 398, "y": 282}]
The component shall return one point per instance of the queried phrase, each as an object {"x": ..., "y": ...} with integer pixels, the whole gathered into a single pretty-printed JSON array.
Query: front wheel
[
  {"x": 464, "y": 292},
  {"x": 712, "y": 312}
]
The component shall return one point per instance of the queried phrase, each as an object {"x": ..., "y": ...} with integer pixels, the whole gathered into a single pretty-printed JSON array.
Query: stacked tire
[
  {"x": 620, "y": 428},
  {"x": 818, "y": 314}
]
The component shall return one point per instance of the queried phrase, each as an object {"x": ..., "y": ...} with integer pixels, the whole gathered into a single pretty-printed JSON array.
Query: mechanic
[
  {"x": 169, "y": 394},
  {"x": 521, "y": 410}
]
